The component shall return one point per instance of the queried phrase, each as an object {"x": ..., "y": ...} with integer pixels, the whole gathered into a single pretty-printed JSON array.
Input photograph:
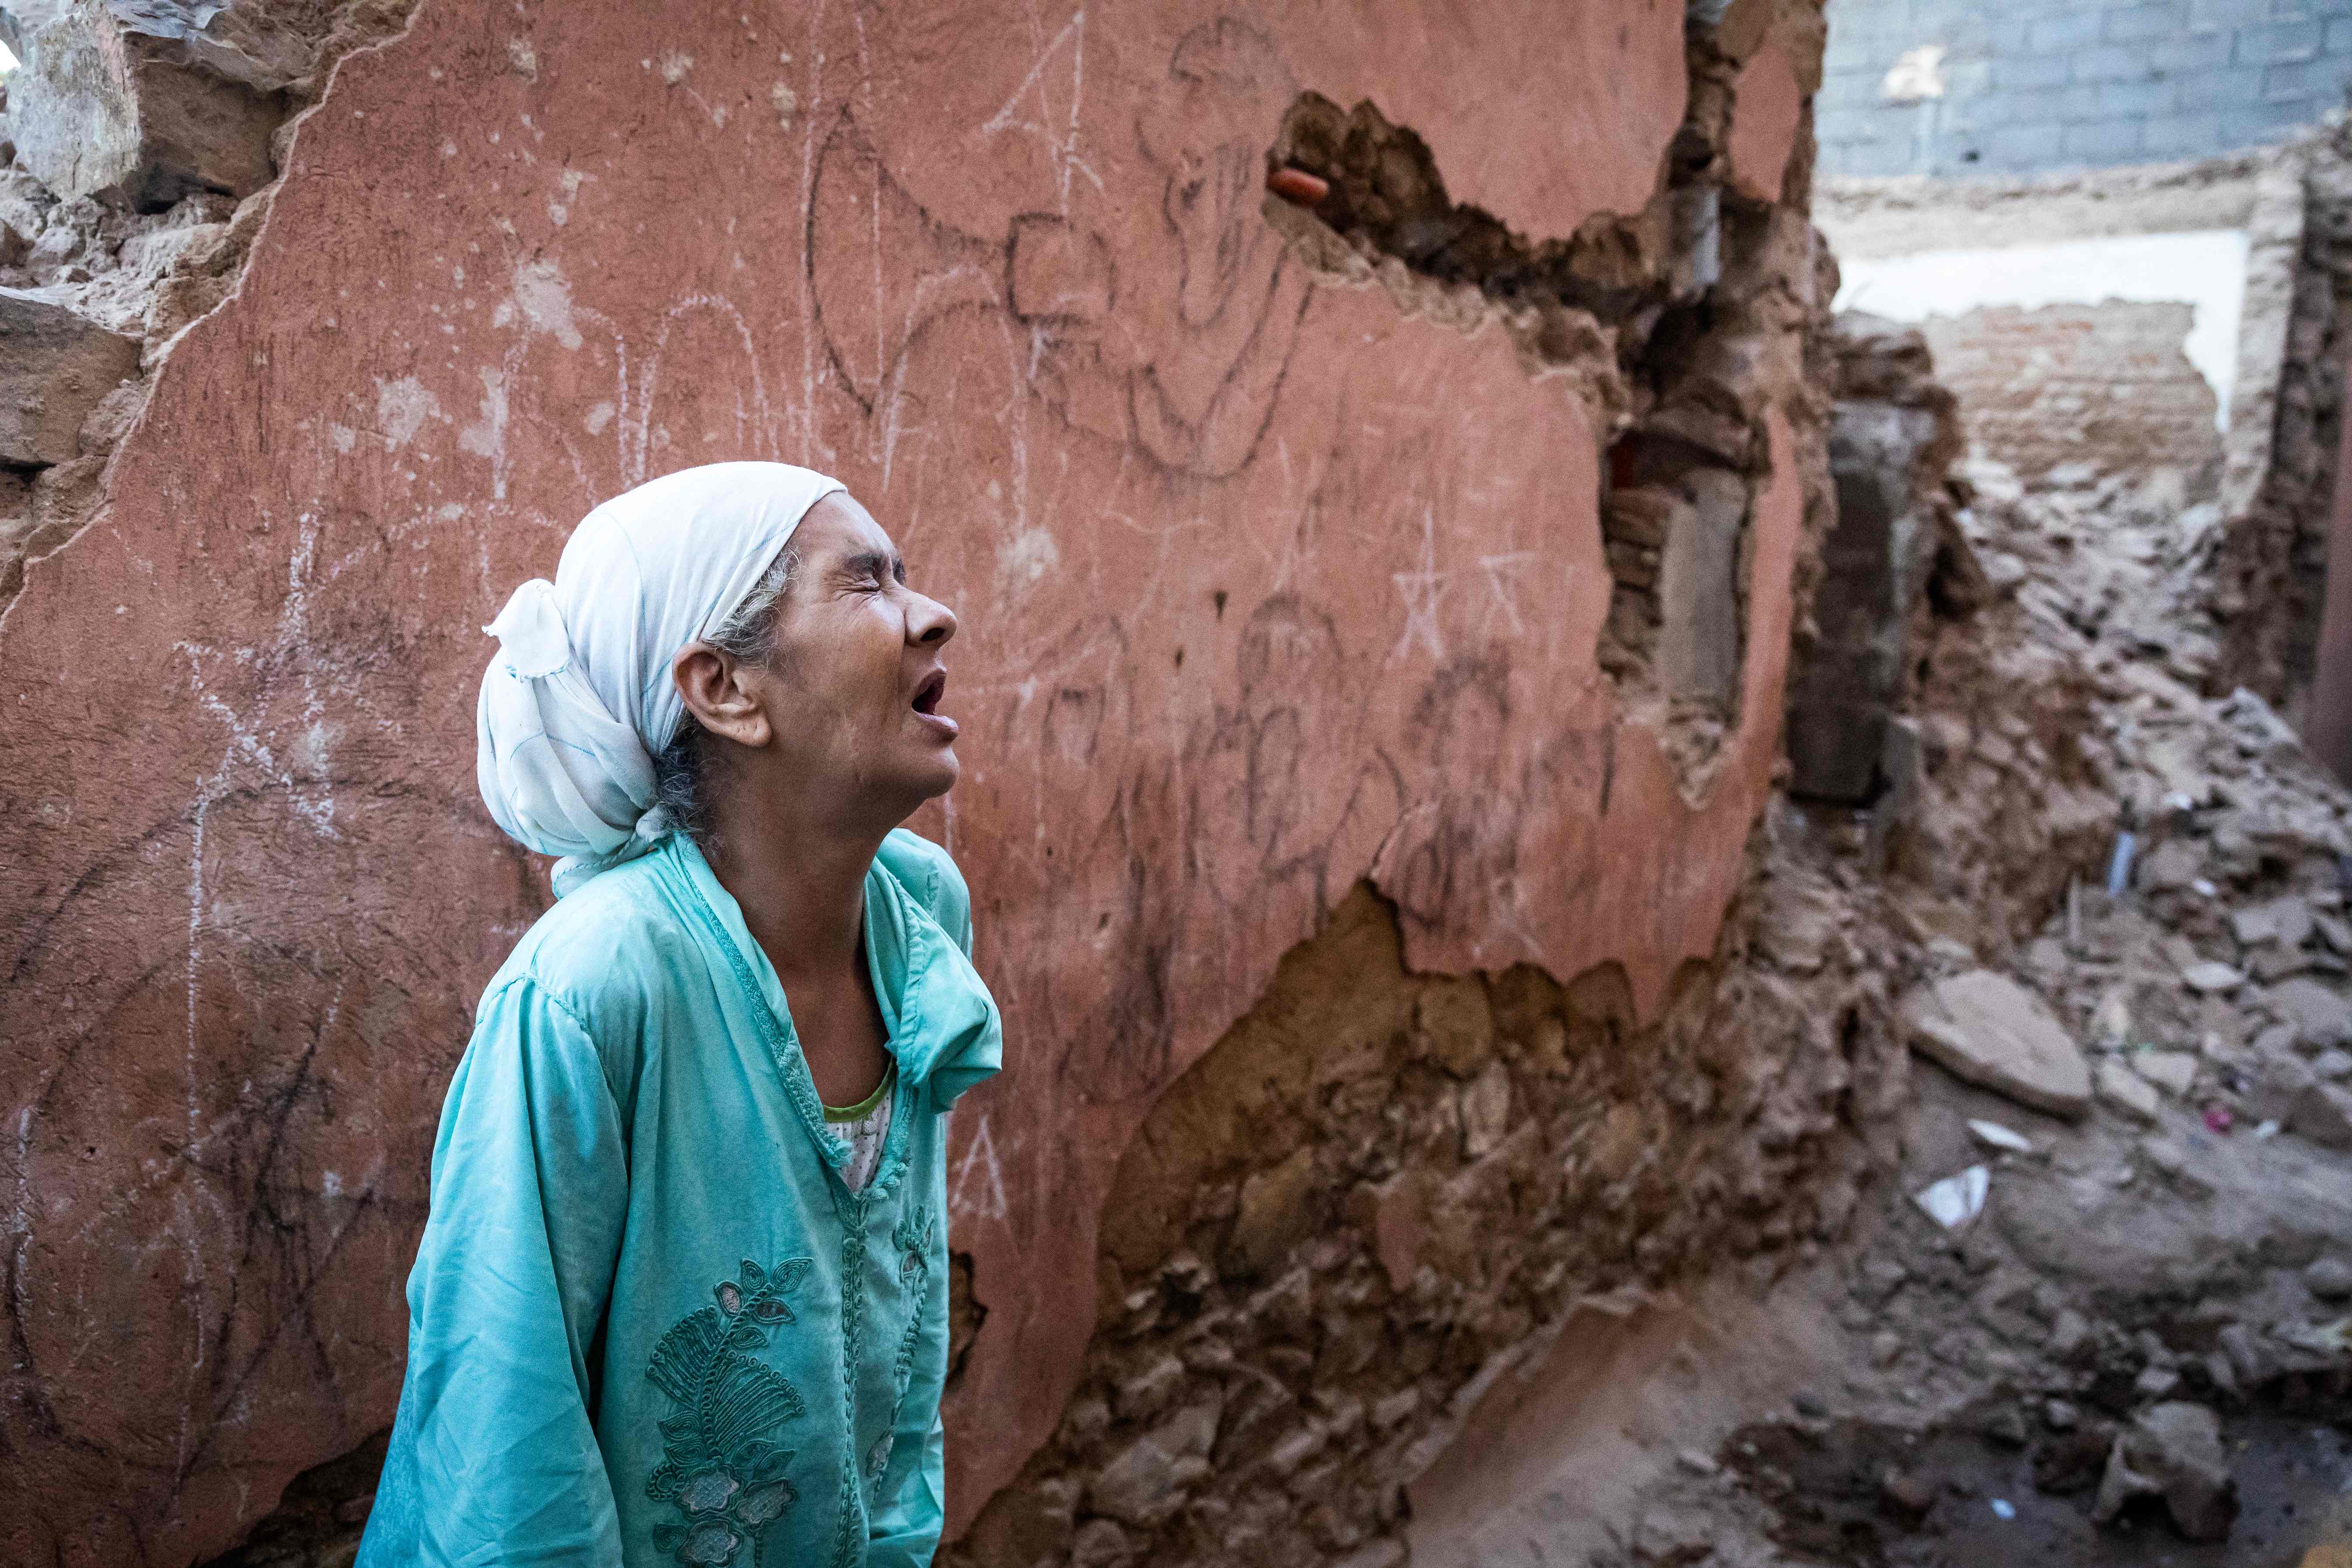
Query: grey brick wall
[{"x": 2049, "y": 84}]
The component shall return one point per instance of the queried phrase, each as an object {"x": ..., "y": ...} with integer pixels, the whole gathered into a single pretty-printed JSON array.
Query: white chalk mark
[
  {"x": 979, "y": 1161},
  {"x": 1501, "y": 573},
  {"x": 1061, "y": 142},
  {"x": 1423, "y": 590}
]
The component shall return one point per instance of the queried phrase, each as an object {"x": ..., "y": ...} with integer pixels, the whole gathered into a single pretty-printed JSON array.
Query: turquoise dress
[{"x": 648, "y": 1322}]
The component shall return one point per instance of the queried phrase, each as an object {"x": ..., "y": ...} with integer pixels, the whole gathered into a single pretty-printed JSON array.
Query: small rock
[
  {"x": 1986, "y": 1028},
  {"x": 1697, "y": 1463},
  {"x": 2070, "y": 1336},
  {"x": 1099, "y": 1543},
  {"x": 2111, "y": 1021},
  {"x": 55, "y": 366},
  {"x": 2212, "y": 977},
  {"x": 1486, "y": 1111},
  {"x": 1885, "y": 1348},
  {"x": 1149, "y": 1391},
  {"x": 2175, "y": 1072},
  {"x": 2334, "y": 932},
  {"x": 1667, "y": 1535},
  {"x": 2286, "y": 920},
  {"x": 1994, "y": 1135},
  {"x": 2334, "y": 1066},
  {"x": 2277, "y": 1039},
  {"x": 1911, "y": 1494},
  {"x": 2005, "y": 1425},
  {"x": 2321, "y": 1017},
  {"x": 2059, "y": 1415},
  {"x": 2154, "y": 1381},
  {"x": 2330, "y": 1279},
  {"x": 2127, "y": 1091},
  {"x": 2173, "y": 1451},
  {"x": 2170, "y": 866},
  {"x": 2173, "y": 1161},
  {"x": 2323, "y": 1113},
  {"x": 2273, "y": 962},
  {"x": 2251, "y": 1360},
  {"x": 1147, "y": 1481},
  {"x": 2250, "y": 926}
]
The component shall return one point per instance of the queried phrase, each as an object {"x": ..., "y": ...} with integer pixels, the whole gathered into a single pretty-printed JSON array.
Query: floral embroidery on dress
[{"x": 720, "y": 1464}]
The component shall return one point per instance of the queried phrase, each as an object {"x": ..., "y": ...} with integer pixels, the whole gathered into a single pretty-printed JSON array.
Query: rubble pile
[{"x": 2106, "y": 1304}]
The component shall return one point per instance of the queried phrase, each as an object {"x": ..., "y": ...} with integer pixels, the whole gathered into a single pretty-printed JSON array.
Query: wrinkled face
[{"x": 856, "y": 680}]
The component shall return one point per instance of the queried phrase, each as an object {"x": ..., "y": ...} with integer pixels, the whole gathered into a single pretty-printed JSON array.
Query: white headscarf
[{"x": 578, "y": 700}]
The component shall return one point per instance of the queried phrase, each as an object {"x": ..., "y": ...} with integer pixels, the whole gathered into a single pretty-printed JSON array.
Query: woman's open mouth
[{"x": 927, "y": 702}]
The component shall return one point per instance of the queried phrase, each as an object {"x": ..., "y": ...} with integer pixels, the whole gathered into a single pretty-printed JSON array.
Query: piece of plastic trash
[
  {"x": 1993, "y": 1134},
  {"x": 2267, "y": 1128},
  {"x": 2218, "y": 1119},
  {"x": 2119, "y": 864},
  {"x": 1297, "y": 187},
  {"x": 2205, "y": 889},
  {"x": 2003, "y": 1508},
  {"x": 1955, "y": 1200}
]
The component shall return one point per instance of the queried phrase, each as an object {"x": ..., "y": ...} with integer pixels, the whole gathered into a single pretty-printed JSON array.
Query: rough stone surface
[
  {"x": 2127, "y": 1091},
  {"x": 2323, "y": 1113},
  {"x": 1990, "y": 1030},
  {"x": 2321, "y": 1016},
  {"x": 113, "y": 103},
  {"x": 2173, "y": 1450},
  {"x": 1895, "y": 432},
  {"x": 1268, "y": 587},
  {"x": 55, "y": 366}
]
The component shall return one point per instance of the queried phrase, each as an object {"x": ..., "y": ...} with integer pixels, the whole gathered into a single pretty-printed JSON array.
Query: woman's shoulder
[
  {"x": 929, "y": 872},
  {"x": 603, "y": 951}
]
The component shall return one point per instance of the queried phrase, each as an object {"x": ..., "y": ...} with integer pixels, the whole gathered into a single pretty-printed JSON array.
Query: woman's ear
[{"x": 720, "y": 696}]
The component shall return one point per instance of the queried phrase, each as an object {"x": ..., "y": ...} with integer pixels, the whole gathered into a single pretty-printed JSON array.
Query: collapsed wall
[
  {"x": 2106, "y": 390},
  {"x": 1297, "y": 548}
]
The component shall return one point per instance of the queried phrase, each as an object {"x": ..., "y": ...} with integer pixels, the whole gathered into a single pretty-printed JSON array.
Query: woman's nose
[{"x": 932, "y": 623}]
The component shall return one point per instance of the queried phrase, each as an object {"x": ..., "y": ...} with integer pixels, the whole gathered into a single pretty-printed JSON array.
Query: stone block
[
  {"x": 55, "y": 367},
  {"x": 1275, "y": 1214},
  {"x": 2320, "y": 1014},
  {"x": 1698, "y": 592},
  {"x": 1990, "y": 1030},
  {"x": 2126, "y": 1090},
  {"x": 112, "y": 103},
  {"x": 1873, "y": 568},
  {"x": 2322, "y": 1112}
]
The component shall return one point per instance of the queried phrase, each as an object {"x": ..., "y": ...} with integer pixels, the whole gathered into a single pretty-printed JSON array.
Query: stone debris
[
  {"x": 55, "y": 367},
  {"x": 2319, "y": 1013},
  {"x": 2175, "y": 1072},
  {"x": 2322, "y": 1112},
  {"x": 1990, "y": 1030},
  {"x": 2172, "y": 1450},
  {"x": 1994, "y": 1135},
  {"x": 2210, "y": 978},
  {"x": 2127, "y": 1091}
]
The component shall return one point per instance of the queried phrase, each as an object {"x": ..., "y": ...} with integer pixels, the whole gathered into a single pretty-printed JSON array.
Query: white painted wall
[{"x": 2205, "y": 270}]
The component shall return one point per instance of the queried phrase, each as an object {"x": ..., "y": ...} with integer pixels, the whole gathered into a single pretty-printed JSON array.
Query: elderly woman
[{"x": 682, "y": 1295}]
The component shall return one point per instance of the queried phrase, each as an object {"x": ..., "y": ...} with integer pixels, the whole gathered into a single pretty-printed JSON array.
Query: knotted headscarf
[{"x": 579, "y": 700}]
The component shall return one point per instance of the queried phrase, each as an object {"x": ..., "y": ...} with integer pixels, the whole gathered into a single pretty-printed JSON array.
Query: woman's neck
[{"x": 800, "y": 879}]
